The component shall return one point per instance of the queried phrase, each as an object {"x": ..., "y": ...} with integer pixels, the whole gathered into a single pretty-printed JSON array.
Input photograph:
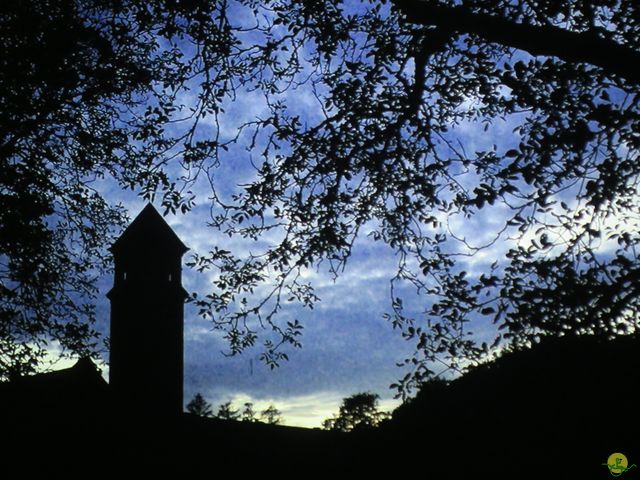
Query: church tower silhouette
[{"x": 147, "y": 316}]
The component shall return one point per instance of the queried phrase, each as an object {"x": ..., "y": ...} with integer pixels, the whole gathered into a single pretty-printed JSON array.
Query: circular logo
[{"x": 617, "y": 464}]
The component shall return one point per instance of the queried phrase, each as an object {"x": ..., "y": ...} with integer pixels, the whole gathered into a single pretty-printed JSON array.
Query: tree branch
[
  {"x": 546, "y": 40},
  {"x": 435, "y": 41}
]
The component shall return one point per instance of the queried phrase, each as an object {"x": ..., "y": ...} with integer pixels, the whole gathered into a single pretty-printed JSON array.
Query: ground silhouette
[
  {"x": 557, "y": 409},
  {"x": 560, "y": 408}
]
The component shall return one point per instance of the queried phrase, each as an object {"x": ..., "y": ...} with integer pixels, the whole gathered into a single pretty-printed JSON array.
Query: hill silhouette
[{"x": 559, "y": 409}]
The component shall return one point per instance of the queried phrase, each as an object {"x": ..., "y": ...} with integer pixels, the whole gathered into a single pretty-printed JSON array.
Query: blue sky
[{"x": 347, "y": 345}]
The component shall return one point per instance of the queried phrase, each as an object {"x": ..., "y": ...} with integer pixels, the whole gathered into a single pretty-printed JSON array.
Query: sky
[{"x": 348, "y": 347}]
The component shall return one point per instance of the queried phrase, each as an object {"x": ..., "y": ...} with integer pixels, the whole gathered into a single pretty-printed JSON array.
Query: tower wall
[{"x": 147, "y": 317}]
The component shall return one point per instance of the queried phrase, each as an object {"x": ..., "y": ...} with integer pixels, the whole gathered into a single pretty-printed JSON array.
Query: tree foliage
[
  {"x": 357, "y": 412},
  {"x": 199, "y": 406},
  {"x": 227, "y": 412},
  {"x": 248, "y": 413},
  {"x": 87, "y": 89},
  {"x": 271, "y": 415},
  {"x": 396, "y": 85}
]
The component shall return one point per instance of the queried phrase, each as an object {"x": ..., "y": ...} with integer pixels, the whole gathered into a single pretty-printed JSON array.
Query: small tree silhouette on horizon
[
  {"x": 199, "y": 406},
  {"x": 271, "y": 415},
  {"x": 226, "y": 412},
  {"x": 249, "y": 414},
  {"x": 359, "y": 411}
]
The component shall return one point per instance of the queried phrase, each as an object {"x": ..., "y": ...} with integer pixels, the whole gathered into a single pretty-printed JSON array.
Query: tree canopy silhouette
[
  {"x": 248, "y": 413},
  {"x": 227, "y": 412},
  {"x": 396, "y": 84},
  {"x": 357, "y": 412},
  {"x": 80, "y": 96},
  {"x": 199, "y": 406},
  {"x": 271, "y": 415}
]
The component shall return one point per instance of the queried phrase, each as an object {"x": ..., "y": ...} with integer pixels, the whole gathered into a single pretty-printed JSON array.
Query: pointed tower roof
[{"x": 149, "y": 228}]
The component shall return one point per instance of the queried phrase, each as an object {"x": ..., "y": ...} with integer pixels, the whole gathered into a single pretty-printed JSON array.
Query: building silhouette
[{"x": 147, "y": 316}]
